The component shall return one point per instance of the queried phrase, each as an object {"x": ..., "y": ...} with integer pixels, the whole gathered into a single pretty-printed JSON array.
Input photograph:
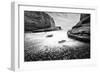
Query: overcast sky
[{"x": 65, "y": 20}]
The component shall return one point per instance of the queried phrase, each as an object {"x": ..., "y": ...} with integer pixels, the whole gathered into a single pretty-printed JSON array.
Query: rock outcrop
[
  {"x": 81, "y": 31},
  {"x": 35, "y": 21}
]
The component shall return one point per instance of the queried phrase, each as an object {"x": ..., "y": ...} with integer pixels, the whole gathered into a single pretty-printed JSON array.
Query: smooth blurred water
[{"x": 41, "y": 39}]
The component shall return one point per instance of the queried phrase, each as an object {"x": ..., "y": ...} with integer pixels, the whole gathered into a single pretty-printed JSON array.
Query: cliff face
[
  {"x": 34, "y": 20},
  {"x": 81, "y": 31}
]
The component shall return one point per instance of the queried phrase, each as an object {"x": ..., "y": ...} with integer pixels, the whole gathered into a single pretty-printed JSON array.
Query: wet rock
[
  {"x": 49, "y": 35},
  {"x": 81, "y": 31},
  {"x": 62, "y": 41},
  {"x": 48, "y": 29}
]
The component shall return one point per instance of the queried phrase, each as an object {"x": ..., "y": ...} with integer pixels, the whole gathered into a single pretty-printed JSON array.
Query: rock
[
  {"x": 62, "y": 41},
  {"x": 35, "y": 20},
  {"x": 51, "y": 35},
  {"x": 48, "y": 29},
  {"x": 81, "y": 31}
]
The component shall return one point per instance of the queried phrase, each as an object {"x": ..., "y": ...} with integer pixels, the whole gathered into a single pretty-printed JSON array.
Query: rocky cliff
[
  {"x": 81, "y": 31},
  {"x": 35, "y": 20}
]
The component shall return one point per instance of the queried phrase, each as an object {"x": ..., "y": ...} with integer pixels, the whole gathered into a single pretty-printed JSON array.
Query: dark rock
[
  {"x": 81, "y": 31},
  {"x": 34, "y": 20},
  {"x": 62, "y": 41},
  {"x": 47, "y": 29},
  {"x": 49, "y": 35}
]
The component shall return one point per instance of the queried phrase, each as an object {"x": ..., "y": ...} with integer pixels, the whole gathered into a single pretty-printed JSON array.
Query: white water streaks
[{"x": 58, "y": 39}]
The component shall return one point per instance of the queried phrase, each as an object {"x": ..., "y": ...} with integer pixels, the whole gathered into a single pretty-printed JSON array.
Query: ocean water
[{"x": 39, "y": 44}]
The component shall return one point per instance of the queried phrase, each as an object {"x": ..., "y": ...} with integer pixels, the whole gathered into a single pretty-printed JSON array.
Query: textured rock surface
[
  {"x": 37, "y": 20},
  {"x": 81, "y": 31}
]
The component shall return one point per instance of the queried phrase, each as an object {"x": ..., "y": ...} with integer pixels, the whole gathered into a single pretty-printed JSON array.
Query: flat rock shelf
[{"x": 53, "y": 45}]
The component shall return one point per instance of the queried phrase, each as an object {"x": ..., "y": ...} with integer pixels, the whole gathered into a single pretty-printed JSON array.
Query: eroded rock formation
[
  {"x": 81, "y": 31},
  {"x": 36, "y": 21}
]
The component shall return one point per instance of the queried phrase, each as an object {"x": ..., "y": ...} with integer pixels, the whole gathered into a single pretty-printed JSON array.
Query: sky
[{"x": 65, "y": 20}]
